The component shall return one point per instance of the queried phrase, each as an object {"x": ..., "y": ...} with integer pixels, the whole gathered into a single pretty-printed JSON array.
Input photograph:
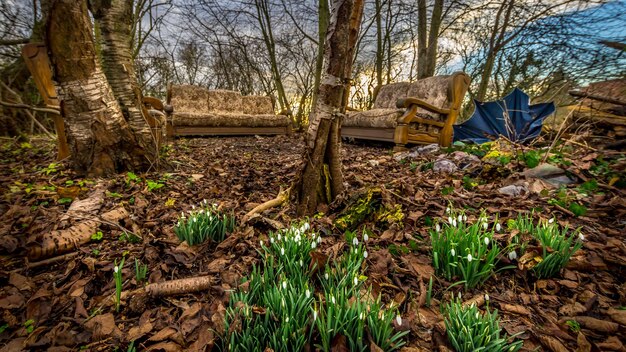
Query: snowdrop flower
[
  {"x": 332, "y": 299},
  {"x": 205, "y": 202},
  {"x": 195, "y": 219},
  {"x": 319, "y": 239},
  {"x": 365, "y": 237},
  {"x": 356, "y": 281},
  {"x": 313, "y": 244},
  {"x": 361, "y": 316},
  {"x": 551, "y": 220},
  {"x": 447, "y": 210},
  {"x": 282, "y": 250},
  {"x": 301, "y": 263},
  {"x": 261, "y": 243},
  {"x": 453, "y": 252},
  {"x": 464, "y": 217},
  {"x": 286, "y": 319},
  {"x": 486, "y": 297},
  {"x": 306, "y": 226},
  {"x": 116, "y": 269},
  {"x": 355, "y": 241},
  {"x": 449, "y": 219},
  {"x": 454, "y": 222},
  {"x": 485, "y": 225},
  {"x": 460, "y": 217},
  {"x": 477, "y": 315},
  {"x": 486, "y": 241},
  {"x": 307, "y": 293},
  {"x": 314, "y": 315},
  {"x": 398, "y": 319},
  {"x": 326, "y": 276},
  {"x": 182, "y": 214},
  {"x": 469, "y": 257},
  {"x": 297, "y": 238},
  {"x": 279, "y": 237},
  {"x": 365, "y": 254},
  {"x": 498, "y": 227},
  {"x": 193, "y": 207},
  {"x": 512, "y": 255},
  {"x": 284, "y": 284},
  {"x": 272, "y": 240},
  {"x": 437, "y": 227},
  {"x": 581, "y": 237}
]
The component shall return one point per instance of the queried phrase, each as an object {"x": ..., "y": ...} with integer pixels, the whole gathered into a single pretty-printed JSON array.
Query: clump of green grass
[
  {"x": 464, "y": 251},
  {"x": 206, "y": 223},
  {"x": 557, "y": 243},
  {"x": 280, "y": 309},
  {"x": 469, "y": 329}
]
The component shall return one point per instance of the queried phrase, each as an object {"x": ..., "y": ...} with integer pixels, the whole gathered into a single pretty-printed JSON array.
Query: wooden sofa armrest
[
  {"x": 349, "y": 108},
  {"x": 154, "y": 103},
  {"x": 408, "y": 102}
]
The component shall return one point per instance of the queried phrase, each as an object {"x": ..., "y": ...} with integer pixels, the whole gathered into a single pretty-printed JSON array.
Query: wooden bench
[
  {"x": 193, "y": 110},
  {"x": 421, "y": 112}
]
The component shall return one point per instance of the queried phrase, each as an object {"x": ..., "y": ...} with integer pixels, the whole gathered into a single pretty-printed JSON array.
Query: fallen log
[{"x": 180, "y": 286}]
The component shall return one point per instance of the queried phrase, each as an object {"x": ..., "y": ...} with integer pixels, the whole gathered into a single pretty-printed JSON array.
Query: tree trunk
[
  {"x": 428, "y": 39},
  {"x": 323, "y": 14},
  {"x": 100, "y": 139},
  {"x": 321, "y": 179},
  {"x": 115, "y": 23}
]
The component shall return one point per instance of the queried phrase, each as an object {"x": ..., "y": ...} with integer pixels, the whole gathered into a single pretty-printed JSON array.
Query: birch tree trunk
[
  {"x": 115, "y": 20},
  {"x": 321, "y": 179},
  {"x": 100, "y": 139}
]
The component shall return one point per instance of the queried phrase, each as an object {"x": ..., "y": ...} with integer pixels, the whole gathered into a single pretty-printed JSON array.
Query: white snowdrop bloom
[
  {"x": 272, "y": 240},
  {"x": 182, "y": 214},
  {"x": 486, "y": 297},
  {"x": 486, "y": 241},
  {"x": 398, "y": 319},
  {"x": 551, "y": 220},
  {"x": 313, "y": 244},
  {"x": 469, "y": 258},
  {"x": 282, "y": 250},
  {"x": 314, "y": 315},
  {"x": 447, "y": 210},
  {"x": 306, "y": 226},
  {"x": 365, "y": 237},
  {"x": 195, "y": 219},
  {"x": 365, "y": 254},
  {"x": 286, "y": 319},
  {"x": 460, "y": 296},
  {"x": 454, "y": 222},
  {"x": 453, "y": 252},
  {"x": 297, "y": 238},
  {"x": 581, "y": 237},
  {"x": 512, "y": 255},
  {"x": 193, "y": 207},
  {"x": 326, "y": 276},
  {"x": 460, "y": 217},
  {"x": 279, "y": 237},
  {"x": 284, "y": 284},
  {"x": 361, "y": 316},
  {"x": 356, "y": 281},
  {"x": 485, "y": 225},
  {"x": 301, "y": 263},
  {"x": 464, "y": 217},
  {"x": 437, "y": 227},
  {"x": 498, "y": 227},
  {"x": 116, "y": 269},
  {"x": 307, "y": 293},
  {"x": 205, "y": 201},
  {"x": 261, "y": 243},
  {"x": 332, "y": 299},
  {"x": 355, "y": 241},
  {"x": 449, "y": 220},
  {"x": 382, "y": 316},
  {"x": 319, "y": 239}
]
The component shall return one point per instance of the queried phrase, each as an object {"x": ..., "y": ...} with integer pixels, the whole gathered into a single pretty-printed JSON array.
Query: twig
[
  {"x": 30, "y": 107},
  {"x": 281, "y": 198}
]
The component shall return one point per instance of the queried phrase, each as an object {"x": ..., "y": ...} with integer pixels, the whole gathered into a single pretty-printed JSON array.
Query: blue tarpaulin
[{"x": 511, "y": 117}]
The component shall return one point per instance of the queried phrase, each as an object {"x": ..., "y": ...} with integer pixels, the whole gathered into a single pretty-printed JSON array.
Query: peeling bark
[
  {"x": 100, "y": 139},
  {"x": 321, "y": 179},
  {"x": 115, "y": 23}
]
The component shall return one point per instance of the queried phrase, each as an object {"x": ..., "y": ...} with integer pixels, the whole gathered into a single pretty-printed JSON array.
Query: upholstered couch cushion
[
  {"x": 189, "y": 98},
  {"x": 377, "y": 118},
  {"x": 225, "y": 101},
  {"x": 257, "y": 105},
  {"x": 229, "y": 120}
]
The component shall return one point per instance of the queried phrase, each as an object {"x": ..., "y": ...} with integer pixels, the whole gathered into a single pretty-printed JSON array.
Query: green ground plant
[
  {"x": 206, "y": 223},
  {"x": 117, "y": 276},
  {"x": 464, "y": 251},
  {"x": 470, "y": 330}
]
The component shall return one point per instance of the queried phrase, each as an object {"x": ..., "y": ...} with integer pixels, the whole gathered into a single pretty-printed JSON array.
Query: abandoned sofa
[
  {"x": 193, "y": 110},
  {"x": 421, "y": 112}
]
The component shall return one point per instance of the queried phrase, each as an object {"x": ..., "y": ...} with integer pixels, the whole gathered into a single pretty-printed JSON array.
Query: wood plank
[
  {"x": 377, "y": 134},
  {"x": 227, "y": 131}
]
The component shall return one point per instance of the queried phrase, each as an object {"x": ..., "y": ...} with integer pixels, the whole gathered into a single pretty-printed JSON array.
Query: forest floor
[{"x": 66, "y": 303}]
